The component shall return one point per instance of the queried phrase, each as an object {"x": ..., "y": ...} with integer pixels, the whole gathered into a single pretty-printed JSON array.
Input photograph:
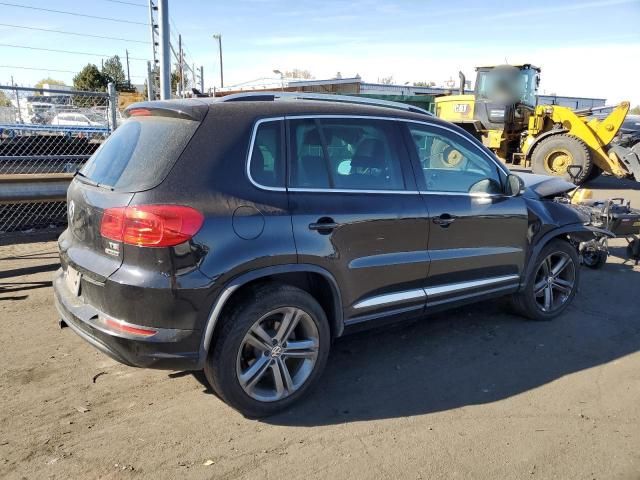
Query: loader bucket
[{"x": 629, "y": 157}]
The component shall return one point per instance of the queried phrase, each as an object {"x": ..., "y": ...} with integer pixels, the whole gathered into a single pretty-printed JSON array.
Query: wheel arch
[
  {"x": 311, "y": 278},
  {"x": 568, "y": 233},
  {"x": 542, "y": 136}
]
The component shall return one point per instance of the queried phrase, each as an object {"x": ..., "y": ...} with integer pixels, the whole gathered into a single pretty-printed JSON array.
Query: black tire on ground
[
  {"x": 525, "y": 301},
  {"x": 553, "y": 154},
  {"x": 221, "y": 366},
  {"x": 596, "y": 171},
  {"x": 593, "y": 258}
]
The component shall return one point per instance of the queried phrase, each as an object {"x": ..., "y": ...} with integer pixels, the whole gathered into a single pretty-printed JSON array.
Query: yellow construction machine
[{"x": 503, "y": 114}]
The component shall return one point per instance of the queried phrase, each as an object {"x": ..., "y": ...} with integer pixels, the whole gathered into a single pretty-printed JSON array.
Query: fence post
[{"x": 113, "y": 106}]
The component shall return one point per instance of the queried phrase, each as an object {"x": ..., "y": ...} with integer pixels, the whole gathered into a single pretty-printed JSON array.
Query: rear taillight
[{"x": 151, "y": 225}]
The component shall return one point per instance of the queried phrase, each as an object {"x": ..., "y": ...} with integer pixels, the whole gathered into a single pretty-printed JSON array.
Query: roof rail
[{"x": 278, "y": 96}]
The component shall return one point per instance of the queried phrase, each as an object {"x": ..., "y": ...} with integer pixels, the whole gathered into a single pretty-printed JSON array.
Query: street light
[
  {"x": 218, "y": 37},
  {"x": 278, "y": 72}
]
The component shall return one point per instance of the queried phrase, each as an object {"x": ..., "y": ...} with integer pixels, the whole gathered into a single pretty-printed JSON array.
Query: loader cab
[{"x": 505, "y": 96}]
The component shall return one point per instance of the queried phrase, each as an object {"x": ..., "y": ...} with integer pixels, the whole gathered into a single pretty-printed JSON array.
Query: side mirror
[{"x": 515, "y": 186}]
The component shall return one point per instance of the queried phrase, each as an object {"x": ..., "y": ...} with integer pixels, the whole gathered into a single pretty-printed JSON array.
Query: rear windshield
[{"x": 140, "y": 153}]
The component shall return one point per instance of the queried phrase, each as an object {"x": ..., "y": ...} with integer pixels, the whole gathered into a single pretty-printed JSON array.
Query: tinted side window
[
  {"x": 349, "y": 154},
  {"x": 452, "y": 164},
  {"x": 267, "y": 159}
]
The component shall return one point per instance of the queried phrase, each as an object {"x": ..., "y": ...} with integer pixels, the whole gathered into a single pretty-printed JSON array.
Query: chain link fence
[{"x": 45, "y": 136}]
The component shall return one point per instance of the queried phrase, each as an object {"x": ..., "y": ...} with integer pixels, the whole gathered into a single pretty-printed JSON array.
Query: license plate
[{"x": 73, "y": 280}]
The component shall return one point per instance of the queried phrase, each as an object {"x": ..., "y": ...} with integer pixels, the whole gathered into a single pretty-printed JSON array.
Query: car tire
[
  {"x": 241, "y": 369},
  {"x": 554, "y": 154},
  {"x": 594, "y": 258},
  {"x": 532, "y": 300}
]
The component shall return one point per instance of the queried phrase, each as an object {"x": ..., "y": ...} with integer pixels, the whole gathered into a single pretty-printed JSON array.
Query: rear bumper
[{"x": 169, "y": 349}]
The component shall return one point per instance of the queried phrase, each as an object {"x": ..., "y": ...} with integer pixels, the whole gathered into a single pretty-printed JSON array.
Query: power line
[
  {"x": 73, "y": 33},
  {"x": 53, "y": 70},
  {"x": 93, "y": 54},
  {"x": 40, "y": 69},
  {"x": 73, "y": 13},
  {"x": 127, "y": 3}
]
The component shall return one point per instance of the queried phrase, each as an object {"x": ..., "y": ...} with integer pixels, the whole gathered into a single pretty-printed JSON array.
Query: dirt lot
[{"x": 474, "y": 393}]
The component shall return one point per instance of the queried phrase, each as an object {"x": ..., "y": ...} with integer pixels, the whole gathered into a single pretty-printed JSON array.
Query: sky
[{"x": 587, "y": 48}]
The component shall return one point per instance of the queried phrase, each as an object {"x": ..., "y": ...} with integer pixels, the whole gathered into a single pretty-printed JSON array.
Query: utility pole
[
  {"x": 17, "y": 101},
  {"x": 128, "y": 74},
  {"x": 218, "y": 37},
  {"x": 150, "y": 81},
  {"x": 181, "y": 68},
  {"x": 201, "y": 79},
  {"x": 165, "y": 52},
  {"x": 154, "y": 45}
]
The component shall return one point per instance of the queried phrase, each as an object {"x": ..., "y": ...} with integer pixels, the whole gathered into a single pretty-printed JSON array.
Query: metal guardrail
[
  {"x": 69, "y": 129},
  {"x": 38, "y": 158},
  {"x": 34, "y": 188}
]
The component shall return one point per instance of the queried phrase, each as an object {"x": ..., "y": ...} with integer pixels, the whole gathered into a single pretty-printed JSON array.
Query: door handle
[
  {"x": 324, "y": 225},
  {"x": 444, "y": 220}
]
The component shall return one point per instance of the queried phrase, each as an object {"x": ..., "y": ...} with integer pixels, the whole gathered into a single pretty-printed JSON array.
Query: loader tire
[
  {"x": 596, "y": 171},
  {"x": 554, "y": 154}
]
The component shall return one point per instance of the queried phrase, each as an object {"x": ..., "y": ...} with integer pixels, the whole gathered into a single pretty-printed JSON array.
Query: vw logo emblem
[
  {"x": 276, "y": 351},
  {"x": 72, "y": 209}
]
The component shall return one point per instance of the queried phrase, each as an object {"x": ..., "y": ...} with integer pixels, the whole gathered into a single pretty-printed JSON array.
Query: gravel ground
[{"x": 473, "y": 393}]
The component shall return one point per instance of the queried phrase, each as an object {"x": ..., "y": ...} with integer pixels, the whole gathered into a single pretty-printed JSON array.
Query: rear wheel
[
  {"x": 554, "y": 154},
  {"x": 271, "y": 349},
  {"x": 552, "y": 283}
]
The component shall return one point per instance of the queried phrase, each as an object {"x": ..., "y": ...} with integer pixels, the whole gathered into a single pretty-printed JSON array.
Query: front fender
[{"x": 574, "y": 233}]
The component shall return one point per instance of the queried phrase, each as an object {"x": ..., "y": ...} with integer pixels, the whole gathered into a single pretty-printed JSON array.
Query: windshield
[{"x": 508, "y": 85}]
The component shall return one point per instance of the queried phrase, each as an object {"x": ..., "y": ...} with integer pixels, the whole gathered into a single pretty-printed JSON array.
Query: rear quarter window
[
  {"x": 267, "y": 161},
  {"x": 140, "y": 153}
]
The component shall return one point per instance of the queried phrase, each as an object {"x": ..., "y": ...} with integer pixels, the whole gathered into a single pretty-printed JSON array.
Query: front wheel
[
  {"x": 552, "y": 283},
  {"x": 556, "y": 153},
  {"x": 272, "y": 347}
]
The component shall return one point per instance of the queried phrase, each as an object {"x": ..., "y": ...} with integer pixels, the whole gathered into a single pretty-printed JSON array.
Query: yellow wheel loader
[{"x": 503, "y": 114}]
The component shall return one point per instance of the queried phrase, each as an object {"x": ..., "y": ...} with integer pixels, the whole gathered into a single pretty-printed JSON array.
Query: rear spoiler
[{"x": 188, "y": 109}]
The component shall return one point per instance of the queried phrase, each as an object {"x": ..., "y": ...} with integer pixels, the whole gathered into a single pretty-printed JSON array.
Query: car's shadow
[{"x": 472, "y": 355}]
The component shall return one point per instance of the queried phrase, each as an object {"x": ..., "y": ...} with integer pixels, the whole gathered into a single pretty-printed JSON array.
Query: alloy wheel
[
  {"x": 278, "y": 354},
  {"x": 554, "y": 281}
]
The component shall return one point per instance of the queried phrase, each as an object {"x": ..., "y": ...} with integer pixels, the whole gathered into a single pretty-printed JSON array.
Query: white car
[{"x": 77, "y": 119}]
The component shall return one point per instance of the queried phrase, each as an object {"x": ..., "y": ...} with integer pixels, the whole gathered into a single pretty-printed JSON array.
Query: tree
[
  {"x": 90, "y": 78},
  {"x": 112, "y": 70},
  {"x": 386, "y": 80},
  {"x": 635, "y": 110},
  {"x": 175, "y": 79},
  {"x": 424, "y": 84},
  {"x": 297, "y": 73},
  {"x": 4, "y": 101}
]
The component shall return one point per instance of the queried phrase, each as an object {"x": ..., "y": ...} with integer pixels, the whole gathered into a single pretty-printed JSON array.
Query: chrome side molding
[
  {"x": 396, "y": 297},
  {"x": 434, "y": 292},
  {"x": 463, "y": 286}
]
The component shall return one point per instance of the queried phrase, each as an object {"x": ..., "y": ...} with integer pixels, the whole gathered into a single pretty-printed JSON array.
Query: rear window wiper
[{"x": 84, "y": 179}]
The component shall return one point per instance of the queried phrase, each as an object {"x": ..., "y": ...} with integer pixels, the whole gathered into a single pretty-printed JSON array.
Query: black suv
[{"x": 240, "y": 236}]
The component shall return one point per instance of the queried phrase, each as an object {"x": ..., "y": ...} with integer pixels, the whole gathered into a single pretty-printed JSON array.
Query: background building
[{"x": 355, "y": 86}]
